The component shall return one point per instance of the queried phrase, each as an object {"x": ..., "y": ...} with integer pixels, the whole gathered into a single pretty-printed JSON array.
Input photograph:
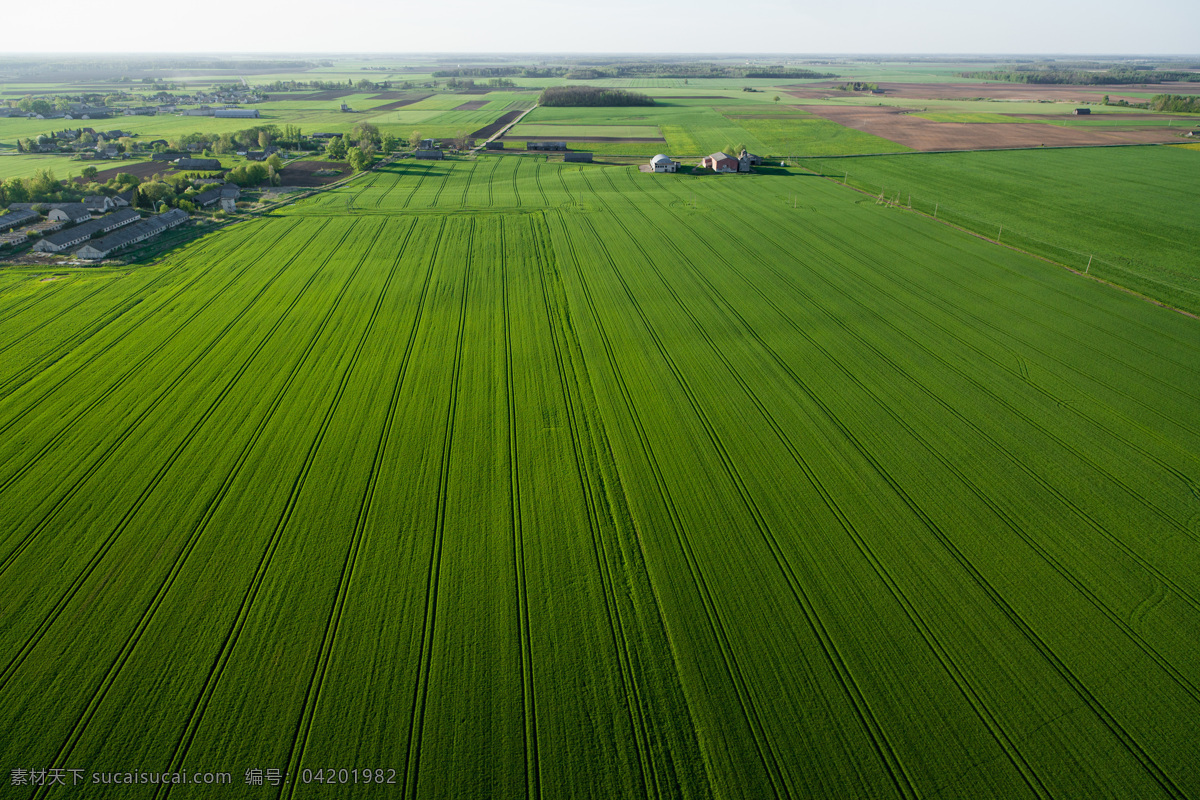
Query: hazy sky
[{"x": 780, "y": 26}]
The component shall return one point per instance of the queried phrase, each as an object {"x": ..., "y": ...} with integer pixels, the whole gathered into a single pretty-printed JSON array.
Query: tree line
[
  {"x": 1080, "y": 77},
  {"x": 592, "y": 96}
]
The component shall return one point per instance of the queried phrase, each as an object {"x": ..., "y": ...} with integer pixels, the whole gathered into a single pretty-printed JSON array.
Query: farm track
[
  {"x": 850, "y": 685},
  {"x": 491, "y": 181},
  {"x": 104, "y": 395},
  {"x": 195, "y": 533},
  {"x": 412, "y": 761},
  {"x": 416, "y": 185},
  {"x": 554, "y": 301},
  {"x": 233, "y": 635},
  {"x": 101, "y": 286},
  {"x": 533, "y": 767},
  {"x": 981, "y": 708},
  {"x": 1133, "y": 747},
  {"x": 733, "y": 669},
  {"x": 312, "y": 698},
  {"x": 108, "y": 453}
]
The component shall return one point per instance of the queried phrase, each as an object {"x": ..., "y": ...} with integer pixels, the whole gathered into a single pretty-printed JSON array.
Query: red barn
[{"x": 719, "y": 162}]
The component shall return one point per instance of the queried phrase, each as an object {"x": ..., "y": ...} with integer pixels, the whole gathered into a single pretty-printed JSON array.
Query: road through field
[{"x": 507, "y": 478}]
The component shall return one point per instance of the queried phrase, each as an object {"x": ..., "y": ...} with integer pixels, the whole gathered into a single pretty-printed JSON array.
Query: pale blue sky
[{"x": 613, "y": 26}]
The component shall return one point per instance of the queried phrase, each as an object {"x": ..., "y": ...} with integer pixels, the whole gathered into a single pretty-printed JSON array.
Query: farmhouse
[
  {"x": 1080, "y": 112},
  {"x": 236, "y": 113},
  {"x": 57, "y": 242},
  {"x": 427, "y": 144},
  {"x": 662, "y": 163},
  {"x": 198, "y": 163},
  {"x": 720, "y": 162},
  {"x": 70, "y": 212},
  {"x": 347, "y": 109},
  {"x": 16, "y": 219},
  {"x": 433, "y": 155},
  {"x": 202, "y": 111},
  {"x": 100, "y": 248},
  {"x": 545, "y": 145},
  {"x": 98, "y": 203},
  {"x": 584, "y": 157},
  {"x": 123, "y": 200},
  {"x": 207, "y": 198}
]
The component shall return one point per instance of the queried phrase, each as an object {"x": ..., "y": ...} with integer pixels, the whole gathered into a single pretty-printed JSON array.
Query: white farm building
[{"x": 662, "y": 163}]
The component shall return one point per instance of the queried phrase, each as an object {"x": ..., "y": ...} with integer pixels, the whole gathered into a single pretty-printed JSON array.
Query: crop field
[
  {"x": 1130, "y": 210},
  {"x": 504, "y": 478}
]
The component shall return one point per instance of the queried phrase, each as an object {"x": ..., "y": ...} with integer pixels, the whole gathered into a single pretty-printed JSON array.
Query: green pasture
[
  {"x": 624, "y": 131},
  {"x": 1131, "y": 210},
  {"x": 506, "y": 478}
]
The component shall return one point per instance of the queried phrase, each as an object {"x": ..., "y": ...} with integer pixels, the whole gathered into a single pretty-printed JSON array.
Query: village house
[
  {"x": 545, "y": 145},
  {"x": 229, "y": 197},
  {"x": 662, "y": 163},
  {"x": 720, "y": 162}
]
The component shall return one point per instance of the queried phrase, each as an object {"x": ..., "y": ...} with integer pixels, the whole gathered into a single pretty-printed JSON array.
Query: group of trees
[
  {"x": 1176, "y": 103},
  {"x": 592, "y": 96}
]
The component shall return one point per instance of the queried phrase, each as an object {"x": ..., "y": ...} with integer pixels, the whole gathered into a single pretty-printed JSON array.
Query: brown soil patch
[
  {"x": 328, "y": 94},
  {"x": 488, "y": 131},
  {"x": 407, "y": 101},
  {"x": 922, "y": 134},
  {"x": 997, "y": 91},
  {"x": 472, "y": 105},
  {"x": 301, "y": 173}
]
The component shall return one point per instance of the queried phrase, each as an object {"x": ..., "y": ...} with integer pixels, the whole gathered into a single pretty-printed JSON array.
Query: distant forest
[
  {"x": 592, "y": 96},
  {"x": 1116, "y": 76}
]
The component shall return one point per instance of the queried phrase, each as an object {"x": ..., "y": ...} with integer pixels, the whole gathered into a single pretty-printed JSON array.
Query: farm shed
[
  {"x": 70, "y": 212},
  {"x": 57, "y": 242},
  {"x": 494, "y": 145},
  {"x": 198, "y": 163},
  {"x": 207, "y": 198},
  {"x": 720, "y": 162},
  {"x": 663, "y": 163},
  {"x": 426, "y": 144},
  {"x": 98, "y": 203},
  {"x": 1079, "y": 112},
  {"x": 100, "y": 248},
  {"x": 434, "y": 155},
  {"x": 229, "y": 197},
  {"x": 17, "y": 218},
  {"x": 581, "y": 157},
  {"x": 123, "y": 200},
  {"x": 748, "y": 160},
  {"x": 236, "y": 113},
  {"x": 545, "y": 145}
]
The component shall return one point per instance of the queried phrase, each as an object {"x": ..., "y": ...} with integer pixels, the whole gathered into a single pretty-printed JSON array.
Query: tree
[
  {"x": 275, "y": 162},
  {"x": 15, "y": 191},
  {"x": 387, "y": 143},
  {"x": 359, "y": 160},
  {"x": 776, "y": 98},
  {"x": 364, "y": 132},
  {"x": 89, "y": 173},
  {"x": 416, "y": 139},
  {"x": 42, "y": 107},
  {"x": 264, "y": 139},
  {"x": 336, "y": 149},
  {"x": 156, "y": 192}
]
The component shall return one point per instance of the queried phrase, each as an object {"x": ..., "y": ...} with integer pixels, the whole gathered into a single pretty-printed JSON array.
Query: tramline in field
[{"x": 513, "y": 478}]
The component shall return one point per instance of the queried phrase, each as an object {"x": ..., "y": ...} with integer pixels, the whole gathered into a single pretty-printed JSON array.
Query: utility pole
[{"x": 1089, "y": 266}]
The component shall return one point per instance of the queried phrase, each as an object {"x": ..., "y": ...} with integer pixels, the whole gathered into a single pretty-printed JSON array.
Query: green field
[
  {"x": 518, "y": 479},
  {"x": 1132, "y": 210}
]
